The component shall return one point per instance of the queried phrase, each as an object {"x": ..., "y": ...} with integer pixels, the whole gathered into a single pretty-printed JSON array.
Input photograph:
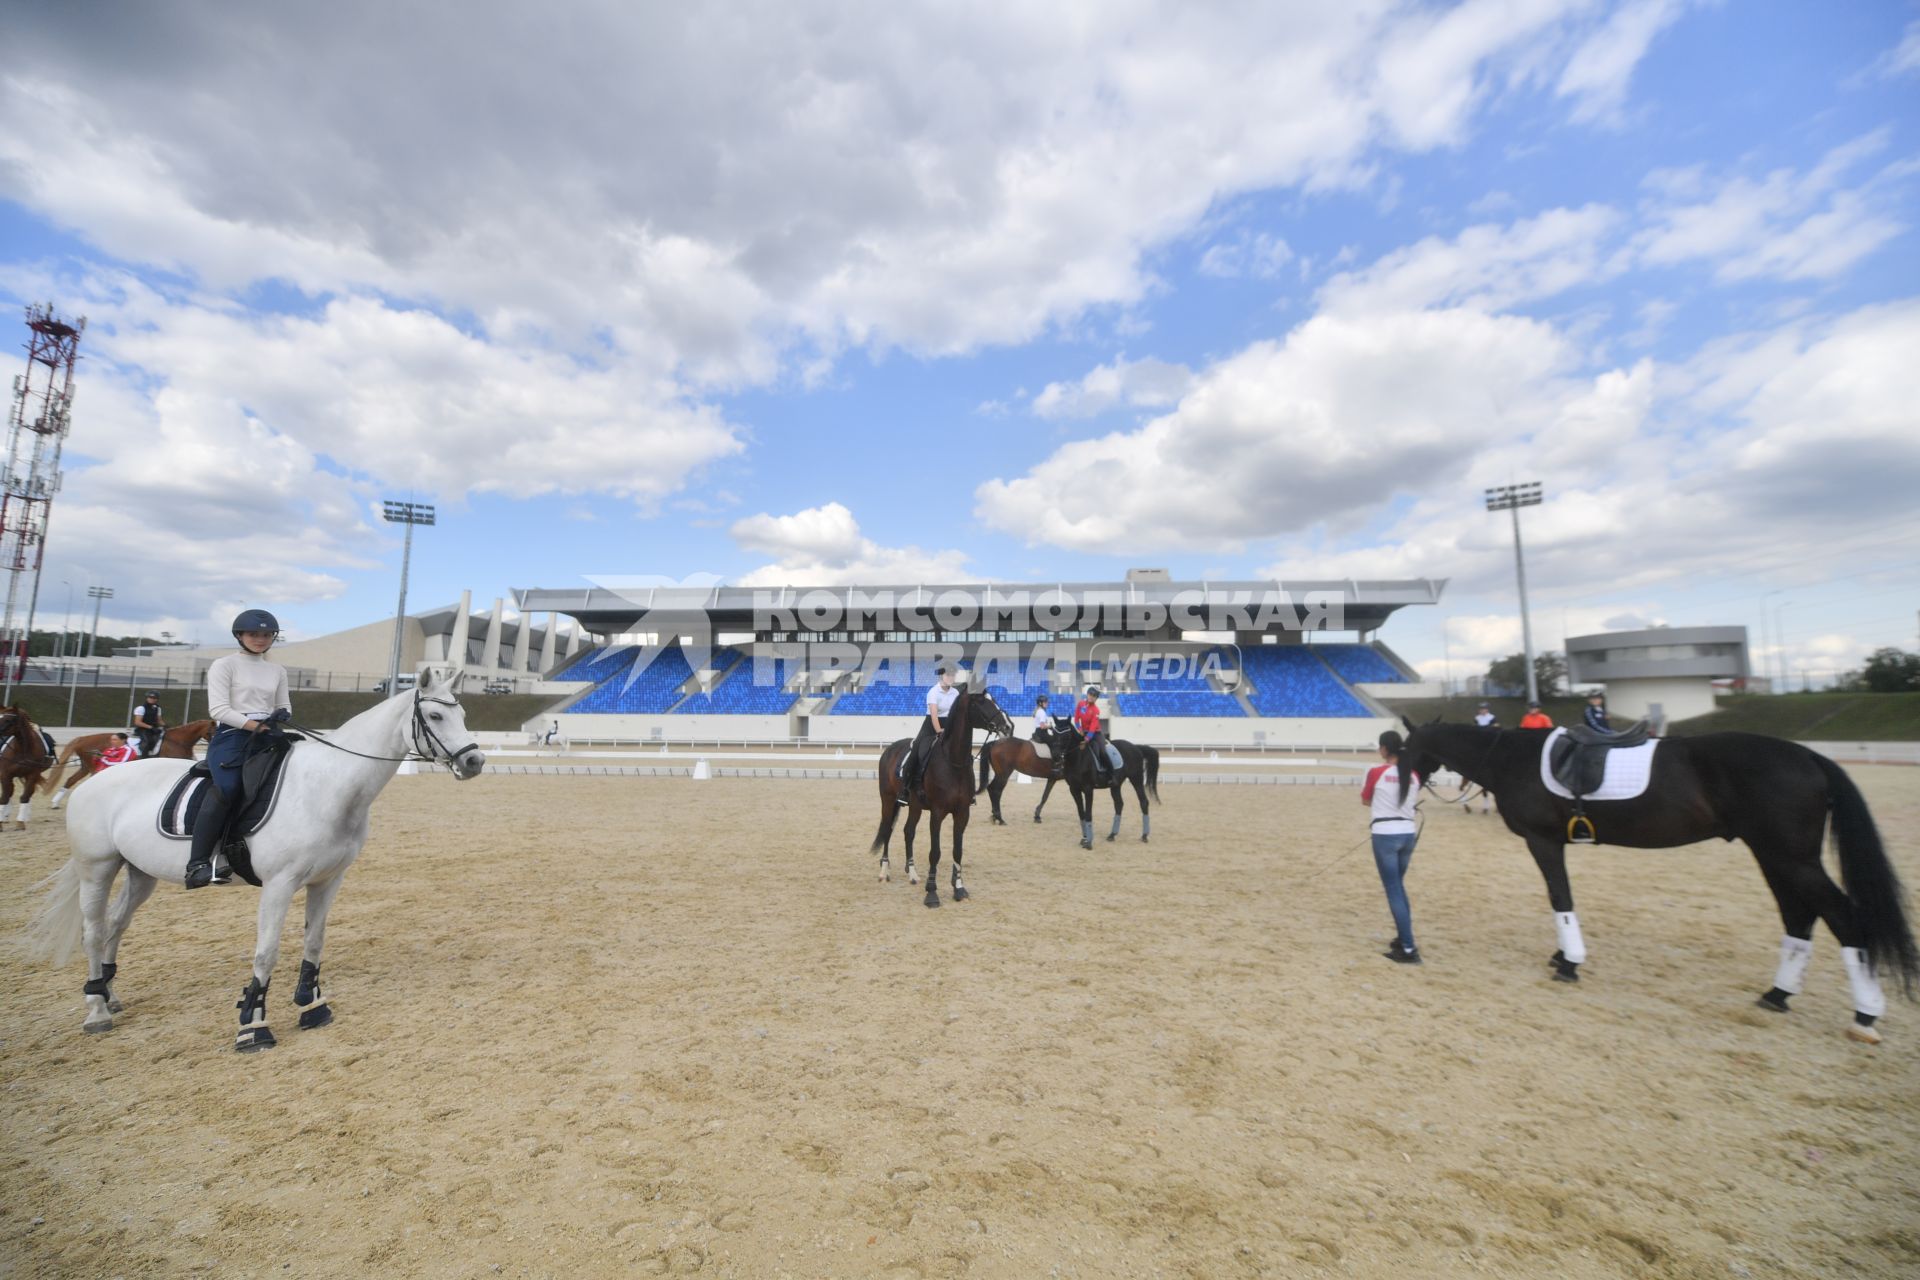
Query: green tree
[
  {"x": 1549, "y": 673},
  {"x": 1888, "y": 670}
]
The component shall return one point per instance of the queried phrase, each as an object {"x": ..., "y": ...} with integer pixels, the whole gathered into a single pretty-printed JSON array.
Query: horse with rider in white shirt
[{"x": 315, "y": 829}]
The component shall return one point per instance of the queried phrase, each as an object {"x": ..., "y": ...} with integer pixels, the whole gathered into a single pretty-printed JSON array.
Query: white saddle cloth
[
  {"x": 1042, "y": 750},
  {"x": 1629, "y": 769}
]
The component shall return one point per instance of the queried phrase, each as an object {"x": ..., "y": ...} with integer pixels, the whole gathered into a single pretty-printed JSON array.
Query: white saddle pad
[
  {"x": 1629, "y": 769},
  {"x": 1042, "y": 750}
]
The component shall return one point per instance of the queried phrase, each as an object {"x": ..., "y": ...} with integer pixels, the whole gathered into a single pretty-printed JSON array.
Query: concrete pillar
[
  {"x": 548, "y": 643},
  {"x": 522, "y": 634},
  {"x": 457, "y": 646},
  {"x": 573, "y": 637},
  {"x": 491, "y": 658}
]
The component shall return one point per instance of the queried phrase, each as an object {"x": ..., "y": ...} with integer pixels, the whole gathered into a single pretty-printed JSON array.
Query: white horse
[{"x": 318, "y": 826}]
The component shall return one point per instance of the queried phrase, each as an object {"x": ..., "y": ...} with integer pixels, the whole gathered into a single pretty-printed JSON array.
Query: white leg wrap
[
  {"x": 1572, "y": 945},
  {"x": 1867, "y": 996},
  {"x": 1794, "y": 954}
]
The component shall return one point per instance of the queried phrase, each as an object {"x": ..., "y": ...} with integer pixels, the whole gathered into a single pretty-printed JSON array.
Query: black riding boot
[{"x": 208, "y": 826}]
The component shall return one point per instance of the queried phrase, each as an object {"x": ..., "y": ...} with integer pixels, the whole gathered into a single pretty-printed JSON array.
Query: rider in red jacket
[{"x": 1086, "y": 720}]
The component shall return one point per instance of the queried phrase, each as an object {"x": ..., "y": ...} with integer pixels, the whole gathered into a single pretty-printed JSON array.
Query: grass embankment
[
  {"x": 48, "y": 707},
  {"x": 1814, "y": 717}
]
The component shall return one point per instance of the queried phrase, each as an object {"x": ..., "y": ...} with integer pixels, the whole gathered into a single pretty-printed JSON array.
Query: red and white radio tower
[{"x": 36, "y": 429}]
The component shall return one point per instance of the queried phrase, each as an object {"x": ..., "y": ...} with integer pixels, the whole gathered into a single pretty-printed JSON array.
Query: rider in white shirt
[{"x": 940, "y": 700}]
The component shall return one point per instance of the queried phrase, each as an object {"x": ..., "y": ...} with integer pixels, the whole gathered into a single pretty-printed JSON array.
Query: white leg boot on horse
[
  {"x": 1869, "y": 1002},
  {"x": 1792, "y": 973}
]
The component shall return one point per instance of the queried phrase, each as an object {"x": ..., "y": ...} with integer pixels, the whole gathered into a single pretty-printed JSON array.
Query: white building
[{"x": 1664, "y": 674}]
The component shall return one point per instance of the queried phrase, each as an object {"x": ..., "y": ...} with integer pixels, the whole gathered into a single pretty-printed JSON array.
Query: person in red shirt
[
  {"x": 1086, "y": 721},
  {"x": 119, "y": 753},
  {"x": 1535, "y": 718}
]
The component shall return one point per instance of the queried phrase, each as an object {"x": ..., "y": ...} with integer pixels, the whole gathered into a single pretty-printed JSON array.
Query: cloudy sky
[{"x": 883, "y": 293}]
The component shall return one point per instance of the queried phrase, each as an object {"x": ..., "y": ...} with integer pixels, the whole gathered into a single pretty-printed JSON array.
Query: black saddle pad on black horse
[{"x": 260, "y": 778}]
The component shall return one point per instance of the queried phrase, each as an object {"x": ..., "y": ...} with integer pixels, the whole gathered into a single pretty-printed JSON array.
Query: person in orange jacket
[{"x": 1535, "y": 718}]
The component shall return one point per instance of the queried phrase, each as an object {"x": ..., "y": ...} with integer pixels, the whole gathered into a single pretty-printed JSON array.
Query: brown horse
[
  {"x": 25, "y": 760},
  {"x": 946, "y": 788},
  {"x": 1005, "y": 757},
  {"x": 176, "y": 743}
]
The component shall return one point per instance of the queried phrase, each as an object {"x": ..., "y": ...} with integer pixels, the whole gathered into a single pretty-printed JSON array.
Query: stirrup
[{"x": 1580, "y": 830}]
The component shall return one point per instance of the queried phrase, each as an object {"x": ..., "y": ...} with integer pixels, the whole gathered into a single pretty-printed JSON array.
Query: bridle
[{"x": 415, "y": 730}]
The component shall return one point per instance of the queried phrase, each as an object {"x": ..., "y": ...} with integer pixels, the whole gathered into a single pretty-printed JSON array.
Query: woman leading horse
[{"x": 1777, "y": 796}]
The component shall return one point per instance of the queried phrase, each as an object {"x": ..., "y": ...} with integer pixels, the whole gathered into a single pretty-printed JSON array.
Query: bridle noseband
[{"x": 421, "y": 726}]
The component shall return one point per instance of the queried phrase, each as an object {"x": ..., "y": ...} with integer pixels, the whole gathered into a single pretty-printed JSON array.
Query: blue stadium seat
[
  {"x": 754, "y": 687},
  {"x": 1360, "y": 664},
  {"x": 647, "y": 683},
  {"x": 1290, "y": 680}
]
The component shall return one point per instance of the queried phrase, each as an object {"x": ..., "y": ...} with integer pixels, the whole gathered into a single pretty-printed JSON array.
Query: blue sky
[{"x": 892, "y": 296}]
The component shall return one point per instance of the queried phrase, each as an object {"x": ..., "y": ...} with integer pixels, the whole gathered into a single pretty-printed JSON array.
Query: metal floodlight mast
[
  {"x": 1512, "y": 497},
  {"x": 37, "y": 425},
  {"x": 408, "y": 514},
  {"x": 98, "y": 594}
]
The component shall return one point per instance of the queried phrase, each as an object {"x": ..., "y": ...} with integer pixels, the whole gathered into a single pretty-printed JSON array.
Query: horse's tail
[
  {"x": 59, "y": 769},
  {"x": 1152, "y": 755},
  {"x": 55, "y": 932},
  {"x": 889, "y": 807},
  {"x": 1872, "y": 887}
]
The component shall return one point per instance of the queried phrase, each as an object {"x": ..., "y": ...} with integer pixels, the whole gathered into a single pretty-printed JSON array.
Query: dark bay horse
[
  {"x": 1005, "y": 757},
  {"x": 176, "y": 743},
  {"x": 946, "y": 788},
  {"x": 1776, "y": 795},
  {"x": 1140, "y": 766},
  {"x": 24, "y": 760}
]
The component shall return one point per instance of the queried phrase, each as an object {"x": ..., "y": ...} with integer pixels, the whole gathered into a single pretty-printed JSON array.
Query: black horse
[
  {"x": 1139, "y": 765},
  {"x": 946, "y": 788},
  {"x": 1775, "y": 795}
]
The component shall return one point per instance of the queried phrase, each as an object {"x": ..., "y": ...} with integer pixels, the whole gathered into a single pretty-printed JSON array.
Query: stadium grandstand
[{"x": 1227, "y": 663}]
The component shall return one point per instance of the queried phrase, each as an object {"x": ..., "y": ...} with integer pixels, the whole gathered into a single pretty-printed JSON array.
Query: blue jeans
[
  {"x": 1390, "y": 856},
  {"x": 226, "y": 751}
]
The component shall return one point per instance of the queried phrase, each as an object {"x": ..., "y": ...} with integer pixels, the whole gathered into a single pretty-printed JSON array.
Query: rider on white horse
[{"x": 245, "y": 693}]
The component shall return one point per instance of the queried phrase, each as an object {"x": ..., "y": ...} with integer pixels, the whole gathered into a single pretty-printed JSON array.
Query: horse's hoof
[
  {"x": 318, "y": 1015},
  {"x": 1036, "y": 819},
  {"x": 253, "y": 1040},
  {"x": 114, "y": 1005},
  {"x": 1773, "y": 1003},
  {"x": 999, "y": 821},
  {"x": 960, "y": 894},
  {"x": 19, "y": 826},
  {"x": 933, "y": 899},
  {"x": 1863, "y": 1035},
  {"x": 95, "y": 1028}
]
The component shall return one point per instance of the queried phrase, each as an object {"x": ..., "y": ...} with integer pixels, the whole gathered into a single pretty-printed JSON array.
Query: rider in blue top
[{"x": 1596, "y": 716}]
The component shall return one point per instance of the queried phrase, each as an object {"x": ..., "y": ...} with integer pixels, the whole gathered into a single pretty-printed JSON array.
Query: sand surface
[{"x": 613, "y": 1026}]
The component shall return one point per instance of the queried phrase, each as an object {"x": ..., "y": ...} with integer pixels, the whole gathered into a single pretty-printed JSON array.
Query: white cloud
[
  {"x": 823, "y": 546},
  {"x": 714, "y": 194},
  {"x": 1485, "y": 266},
  {"x": 1332, "y": 422},
  {"x": 1141, "y": 383},
  {"x": 1250, "y": 253},
  {"x": 1597, "y": 75},
  {"x": 1785, "y": 226},
  {"x": 1902, "y": 59}
]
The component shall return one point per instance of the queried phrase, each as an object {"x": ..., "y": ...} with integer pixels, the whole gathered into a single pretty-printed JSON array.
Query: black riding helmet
[{"x": 255, "y": 620}]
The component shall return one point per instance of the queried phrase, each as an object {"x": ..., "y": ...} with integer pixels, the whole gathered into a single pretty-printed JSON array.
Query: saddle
[
  {"x": 1579, "y": 760},
  {"x": 260, "y": 776}
]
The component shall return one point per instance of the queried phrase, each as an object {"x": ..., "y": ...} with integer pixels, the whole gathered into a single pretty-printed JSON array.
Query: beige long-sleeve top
[{"x": 246, "y": 686}]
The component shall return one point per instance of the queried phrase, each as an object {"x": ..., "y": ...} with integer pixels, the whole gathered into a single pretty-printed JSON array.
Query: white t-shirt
[
  {"x": 1391, "y": 815},
  {"x": 940, "y": 701},
  {"x": 1483, "y": 718},
  {"x": 1042, "y": 721}
]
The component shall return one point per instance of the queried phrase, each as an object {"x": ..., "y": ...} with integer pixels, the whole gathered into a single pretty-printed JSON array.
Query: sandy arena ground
[{"x": 604, "y": 1026}]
